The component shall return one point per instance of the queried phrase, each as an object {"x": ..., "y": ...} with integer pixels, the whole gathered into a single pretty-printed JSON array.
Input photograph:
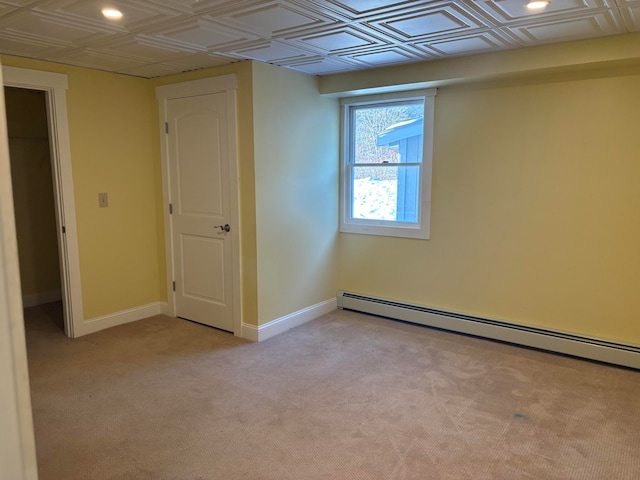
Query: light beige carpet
[{"x": 347, "y": 396}]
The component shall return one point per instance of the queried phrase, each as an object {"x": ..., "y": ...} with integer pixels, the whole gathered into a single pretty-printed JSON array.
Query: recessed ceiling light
[
  {"x": 537, "y": 5},
  {"x": 112, "y": 13}
]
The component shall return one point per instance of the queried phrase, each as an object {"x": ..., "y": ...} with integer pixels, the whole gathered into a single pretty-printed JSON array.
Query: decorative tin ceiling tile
[
  {"x": 139, "y": 15},
  {"x": 513, "y": 10},
  {"x": 20, "y": 3},
  {"x": 55, "y": 30},
  {"x": 86, "y": 57},
  {"x": 388, "y": 56},
  {"x": 202, "y": 35},
  {"x": 6, "y": 9},
  {"x": 338, "y": 40},
  {"x": 359, "y": 8},
  {"x": 141, "y": 48},
  {"x": 480, "y": 42},
  {"x": 273, "y": 19},
  {"x": 323, "y": 66},
  {"x": 13, "y": 43},
  {"x": 202, "y": 7},
  {"x": 567, "y": 28},
  {"x": 272, "y": 52},
  {"x": 429, "y": 22},
  {"x": 313, "y": 36},
  {"x": 631, "y": 15}
]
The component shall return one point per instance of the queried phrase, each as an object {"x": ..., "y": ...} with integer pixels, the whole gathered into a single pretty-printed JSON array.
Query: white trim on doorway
[
  {"x": 55, "y": 87},
  {"x": 18, "y": 451},
  {"x": 228, "y": 85}
]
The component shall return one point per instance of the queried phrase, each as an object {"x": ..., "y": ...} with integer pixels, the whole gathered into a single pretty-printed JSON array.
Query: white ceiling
[{"x": 162, "y": 37}]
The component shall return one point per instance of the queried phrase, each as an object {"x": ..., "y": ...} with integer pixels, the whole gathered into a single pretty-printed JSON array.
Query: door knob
[{"x": 225, "y": 228}]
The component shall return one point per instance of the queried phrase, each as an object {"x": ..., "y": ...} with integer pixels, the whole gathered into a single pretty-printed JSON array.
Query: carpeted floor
[{"x": 347, "y": 396}]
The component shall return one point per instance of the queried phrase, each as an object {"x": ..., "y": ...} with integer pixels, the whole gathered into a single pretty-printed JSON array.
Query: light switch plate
[{"x": 103, "y": 200}]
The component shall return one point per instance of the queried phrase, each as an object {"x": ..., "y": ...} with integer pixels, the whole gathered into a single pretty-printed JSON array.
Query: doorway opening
[
  {"x": 34, "y": 205},
  {"x": 52, "y": 88}
]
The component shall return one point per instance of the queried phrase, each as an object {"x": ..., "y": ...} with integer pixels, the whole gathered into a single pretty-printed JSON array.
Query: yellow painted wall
[
  {"x": 115, "y": 148},
  {"x": 111, "y": 126},
  {"x": 287, "y": 146},
  {"x": 244, "y": 73},
  {"x": 296, "y": 139},
  {"x": 32, "y": 191},
  {"x": 534, "y": 205},
  {"x": 114, "y": 136},
  {"x": 535, "y": 208}
]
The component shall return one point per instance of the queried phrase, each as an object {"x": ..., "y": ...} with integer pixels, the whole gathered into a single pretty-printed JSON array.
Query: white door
[{"x": 198, "y": 154}]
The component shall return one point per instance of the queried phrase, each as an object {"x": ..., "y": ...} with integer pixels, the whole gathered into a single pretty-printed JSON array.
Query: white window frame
[{"x": 348, "y": 224}]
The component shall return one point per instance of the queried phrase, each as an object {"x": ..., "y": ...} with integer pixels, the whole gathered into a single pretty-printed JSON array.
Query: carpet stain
[{"x": 521, "y": 416}]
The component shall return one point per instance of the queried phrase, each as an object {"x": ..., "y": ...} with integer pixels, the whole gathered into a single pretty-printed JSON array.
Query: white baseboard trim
[
  {"x": 249, "y": 332},
  {"x": 119, "y": 318},
  {"x": 282, "y": 324},
  {"x": 34, "y": 299},
  {"x": 165, "y": 310}
]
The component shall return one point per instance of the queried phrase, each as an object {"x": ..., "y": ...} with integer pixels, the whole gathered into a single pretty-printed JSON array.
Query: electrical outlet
[{"x": 103, "y": 200}]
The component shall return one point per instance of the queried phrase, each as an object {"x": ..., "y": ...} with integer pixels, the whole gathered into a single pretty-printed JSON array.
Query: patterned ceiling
[{"x": 162, "y": 37}]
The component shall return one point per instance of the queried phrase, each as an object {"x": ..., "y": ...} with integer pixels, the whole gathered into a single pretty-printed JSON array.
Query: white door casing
[
  {"x": 17, "y": 444},
  {"x": 55, "y": 87},
  {"x": 199, "y": 151}
]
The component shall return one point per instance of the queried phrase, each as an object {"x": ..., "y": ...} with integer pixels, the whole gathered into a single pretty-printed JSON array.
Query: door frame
[
  {"x": 18, "y": 452},
  {"x": 55, "y": 87},
  {"x": 226, "y": 84}
]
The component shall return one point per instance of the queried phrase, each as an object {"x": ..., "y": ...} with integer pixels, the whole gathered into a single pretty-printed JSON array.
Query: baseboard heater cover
[{"x": 565, "y": 343}]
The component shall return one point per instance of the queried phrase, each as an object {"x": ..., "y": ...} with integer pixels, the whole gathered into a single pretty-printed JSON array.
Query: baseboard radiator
[{"x": 568, "y": 344}]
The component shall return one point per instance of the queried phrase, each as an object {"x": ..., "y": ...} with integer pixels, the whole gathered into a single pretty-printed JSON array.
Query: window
[{"x": 386, "y": 164}]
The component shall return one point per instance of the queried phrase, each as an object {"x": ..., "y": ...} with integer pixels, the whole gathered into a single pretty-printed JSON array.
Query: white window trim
[{"x": 381, "y": 227}]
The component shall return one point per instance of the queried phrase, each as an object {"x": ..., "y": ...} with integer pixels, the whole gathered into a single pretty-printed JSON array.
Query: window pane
[
  {"x": 385, "y": 193},
  {"x": 386, "y": 161},
  {"x": 388, "y": 133}
]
